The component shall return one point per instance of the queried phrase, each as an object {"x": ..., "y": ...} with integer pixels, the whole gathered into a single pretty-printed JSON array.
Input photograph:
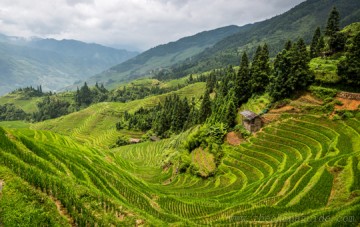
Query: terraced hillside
[
  {"x": 95, "y": 125},
  {"x": 301, "y": 170}
]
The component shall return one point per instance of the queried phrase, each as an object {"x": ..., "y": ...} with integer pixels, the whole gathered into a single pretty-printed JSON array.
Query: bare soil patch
[
  {"x": 1, "y": 185},
  {"x": 348, "y": 104},
  {"x": 233, "y": 139},
  {"x": 285, "y": 109}
]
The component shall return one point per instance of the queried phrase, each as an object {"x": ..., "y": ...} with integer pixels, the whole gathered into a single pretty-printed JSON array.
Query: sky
[{"x": 132, "y": 24}]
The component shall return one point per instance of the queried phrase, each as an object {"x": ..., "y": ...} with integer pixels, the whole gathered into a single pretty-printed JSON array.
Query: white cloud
[{"x": 137, "y": 23}]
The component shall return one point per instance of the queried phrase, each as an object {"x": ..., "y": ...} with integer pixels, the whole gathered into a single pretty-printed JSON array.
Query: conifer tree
[
  {"x": 333, "y": 22},
  {"x": 321, "y": 45},
  {"x": 314, "y": 46},
  {"x": 288, "y": 45},
  {"x": 349, "y": 69},
  {"x": 231, "y": 111},
  {"x": 242, "y": 82},
  {"x": 205, "y": 108},
  {"x": 337, "y": 39},
  {"x": 260, "y": 70}
]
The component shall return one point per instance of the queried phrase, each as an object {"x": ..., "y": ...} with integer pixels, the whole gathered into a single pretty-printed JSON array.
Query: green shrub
[
  {"x": 121, "y": 141},
  {"x": 322, "y": 92},
  {"x": 241, "y": 129},
  {"x": 206, "y": 135},
  {"x": 348, "y": 114},
  {"x": 336, "y": 117},
  {"x": 338, "y": 102},
  {"x": 328, "y": 100}
]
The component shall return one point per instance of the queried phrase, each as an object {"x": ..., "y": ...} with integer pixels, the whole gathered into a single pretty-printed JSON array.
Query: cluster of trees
[
  {"x": 332, "y": 42},
  {"x": 9, "y": 112},
  {"x": 291, "y": 71},
  {"x": 349, "y": 68},
  {"x": 173, "y": 116},
  {"x": 86, "y": 96},
  {"x": 30, "y": 91},
  {"x": 131, "y": 93},
  {"x": 51, "y": 107}
]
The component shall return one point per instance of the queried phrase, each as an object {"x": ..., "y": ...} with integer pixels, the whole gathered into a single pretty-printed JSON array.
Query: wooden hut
[{"x": 251, "y": 121}]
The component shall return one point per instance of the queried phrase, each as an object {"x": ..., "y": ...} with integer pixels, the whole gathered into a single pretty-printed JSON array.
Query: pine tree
[
  {"x": 349, "y": 69},
  {"x": 205, "y": 108},
  {"x": 333, "y": 22},
  {"x": 280, "y": 83},
  {"x": 288, "y": 45},
  {"x": 242, "y": 82},
  {"x": 231, "y": 111},
  {"x": 321, "y": 45},
  {"x": 300, "y": 66},
  {"x": 260, "y": 70},
  {"x": 314, "y": 50},
  {"x": 337, "y": 39}
]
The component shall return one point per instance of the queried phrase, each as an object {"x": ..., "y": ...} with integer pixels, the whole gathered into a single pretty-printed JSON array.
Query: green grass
[
  {"x": 325, "y": 70},
  {"x": 29, "y": 105},
  {"x": 14, "y": 124}
]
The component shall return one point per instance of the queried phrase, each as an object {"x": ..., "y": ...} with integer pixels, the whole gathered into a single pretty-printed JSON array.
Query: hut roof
[
  {"x": 248, "y": 114},
  {"x": 133, "y": 140}
]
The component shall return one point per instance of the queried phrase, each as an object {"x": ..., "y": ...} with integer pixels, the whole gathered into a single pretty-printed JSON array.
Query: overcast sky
[{"x": 139, "y": 24}]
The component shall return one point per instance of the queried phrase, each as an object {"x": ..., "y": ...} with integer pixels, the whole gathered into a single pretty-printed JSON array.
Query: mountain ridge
[
  {"x": 300, "y": 21},
  {"x": 165, "y": 54},
  {"x": 52, "y": 63}
]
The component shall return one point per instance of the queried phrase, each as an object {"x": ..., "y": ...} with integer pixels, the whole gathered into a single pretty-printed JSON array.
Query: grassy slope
[
  {"x": 28, "y": 104},
  {"x": 300, "y": 168},
  {"x": 95, "y": 125}
]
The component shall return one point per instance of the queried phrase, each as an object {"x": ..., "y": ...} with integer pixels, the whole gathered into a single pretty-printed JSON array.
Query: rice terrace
[{"x": 257, "y": 125}]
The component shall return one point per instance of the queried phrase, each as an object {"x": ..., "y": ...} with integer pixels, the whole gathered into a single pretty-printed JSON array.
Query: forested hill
[
  {"x": 301, "y": 21},
  {"x": 52, "y": 63},
  {"x": 164, "y": 56}
]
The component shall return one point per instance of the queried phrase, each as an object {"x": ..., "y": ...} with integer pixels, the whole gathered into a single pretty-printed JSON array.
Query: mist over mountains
[{"x": 52, "y": 63}]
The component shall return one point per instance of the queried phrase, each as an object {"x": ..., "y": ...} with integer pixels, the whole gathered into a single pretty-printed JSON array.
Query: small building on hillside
[
  {"x": 134, "y": 140},
  {"x": 251, "y": 121}
]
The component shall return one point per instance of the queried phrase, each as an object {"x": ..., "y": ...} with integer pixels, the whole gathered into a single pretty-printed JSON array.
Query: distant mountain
[
  {"x": 224, "y": 46},
  {"x": 52, "y": 63},
  {"x": 163, "y": 56}
]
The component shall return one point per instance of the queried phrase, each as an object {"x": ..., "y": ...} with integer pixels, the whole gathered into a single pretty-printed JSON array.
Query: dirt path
[
  {"x": 1, "y": 185},
  {"x": 62, "y": 211}
]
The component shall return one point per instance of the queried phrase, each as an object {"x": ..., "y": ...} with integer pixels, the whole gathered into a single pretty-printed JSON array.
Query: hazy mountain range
[
  {"x": 52, "y": 63},
  {"x": 68, "y": 63}
]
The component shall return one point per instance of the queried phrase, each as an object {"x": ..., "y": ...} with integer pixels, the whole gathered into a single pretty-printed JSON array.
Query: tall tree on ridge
[
  {"x": 242, "y": 81},
  {"x": 349, "y": 69},
  {"x": 333, "y": 22},
  {"x": 260, "y": 70},
  {"x": 314, "y": 46}
]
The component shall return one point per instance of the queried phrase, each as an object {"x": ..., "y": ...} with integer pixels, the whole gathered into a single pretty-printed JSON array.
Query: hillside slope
[
  {"x": 296, "y": 171},
  {"x": 300, "y": 21},
  {"x": 162, "y": 56},
  {"x": 95, "y": 125},
  {"x": 51, "y": 63}
]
